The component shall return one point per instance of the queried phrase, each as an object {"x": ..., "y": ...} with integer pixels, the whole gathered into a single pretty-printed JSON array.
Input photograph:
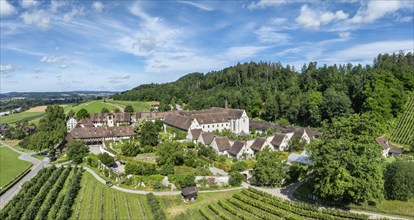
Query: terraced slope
[{"x": 404, "y": 131}]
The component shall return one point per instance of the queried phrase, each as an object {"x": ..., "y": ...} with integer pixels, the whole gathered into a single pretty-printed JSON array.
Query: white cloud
[
  {"x": 63, "y": 66},
  {"x": 38, "y": 18},
  {"x": 56, "y": 4},
  {"x": 67, "y": 17},
  {"x": 28, "y": 3},
  {"x": 239, "y": 53},
  {"x": 54, "y": 59},
  {"x": 7, "y": 68},
  {"x": 197, "y": 5},
  {"x": 405, "y": 19},
  {"x": 345, "y": 34},
  {"x": 375, "y": 10},
  {"x": 6, "y": 8},
  {"x": 314, "y": 19},
  {"x": 268, "y": 34},
  {"x": 265, "y": 3},
  {"x": 97, "y": 6},
  {"x": 364, "y": 53}
]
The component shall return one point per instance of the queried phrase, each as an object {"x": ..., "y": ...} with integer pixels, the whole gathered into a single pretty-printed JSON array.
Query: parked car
[{"x": 109, "y": 184}]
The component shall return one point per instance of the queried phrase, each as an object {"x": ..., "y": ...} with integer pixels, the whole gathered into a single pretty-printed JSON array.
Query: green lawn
[
  {"x": 98, "y": 201},
  {"x": 10, "y": 166},
  {"x": 138, "y": 106},
  {"x": 19, "y": 117},
  {"x": 175, "y": 208},
  {"x": 91, "y": 106},
  {"x": 392, "y": 207}
]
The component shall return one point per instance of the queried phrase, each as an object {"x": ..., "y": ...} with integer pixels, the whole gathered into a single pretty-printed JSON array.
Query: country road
[{"x": 37, "y": 165}]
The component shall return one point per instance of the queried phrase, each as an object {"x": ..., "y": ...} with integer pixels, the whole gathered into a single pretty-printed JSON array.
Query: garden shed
[{"x": 189, "y": 193}]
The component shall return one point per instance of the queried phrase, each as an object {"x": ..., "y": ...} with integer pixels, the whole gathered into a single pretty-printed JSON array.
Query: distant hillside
[
  {"x": 54, "y": 95},
  {"x": 272, "y": 91},
  {"x": 404, "y": 131}
]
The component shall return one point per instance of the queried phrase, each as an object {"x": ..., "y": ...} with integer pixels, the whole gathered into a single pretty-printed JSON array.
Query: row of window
[{"x": 218, "y": 126}]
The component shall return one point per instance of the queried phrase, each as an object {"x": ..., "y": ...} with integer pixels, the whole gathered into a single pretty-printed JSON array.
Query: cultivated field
[
  {"x": 41, "y": 108},
  {"x": 49, "y": 195},
  {"x": 98, "y": 201},
  {"x": 20, "y": 117},
  {"x": 254, "y": 204},
  {"x": 404, "y": 131},
  {"x": 10, "y": 166}
]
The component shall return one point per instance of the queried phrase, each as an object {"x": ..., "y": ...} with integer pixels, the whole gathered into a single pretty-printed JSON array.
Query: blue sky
[{"x": 117, "y": 45}]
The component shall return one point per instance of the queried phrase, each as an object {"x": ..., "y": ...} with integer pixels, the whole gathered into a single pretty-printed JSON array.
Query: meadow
[{"x": 10, "y": 165}]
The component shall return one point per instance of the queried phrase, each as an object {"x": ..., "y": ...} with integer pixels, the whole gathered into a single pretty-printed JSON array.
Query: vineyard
[
  {"x": 404, "y": 131},
  {"x": 98, "y": 201},
  {"x": 255, "y": 204},
  {"x": 49, "y": 195}
]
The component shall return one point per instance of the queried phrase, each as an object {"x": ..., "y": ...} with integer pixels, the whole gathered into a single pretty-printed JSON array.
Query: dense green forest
[{"x": 272, "y": 92}]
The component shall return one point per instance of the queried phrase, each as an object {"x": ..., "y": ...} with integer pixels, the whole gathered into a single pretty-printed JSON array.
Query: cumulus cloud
[
  {"x": 38, "y": 18},
  {"x": 7, "y": 68},
  {"x": 314, "y": 19},
  {"x": 63, "y": 66},
  {"x": 97, "y": 6},
  {"x": 265, "y": 3},
  {"x": 28, "y": 3},
  {"x": 54, "y": 59},
  {"x": 6, "y": 8},
  {"x": 375, "y": 10}
]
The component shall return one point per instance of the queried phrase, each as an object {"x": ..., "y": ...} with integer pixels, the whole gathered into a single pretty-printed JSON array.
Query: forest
[{"x": 273, "y": 92}]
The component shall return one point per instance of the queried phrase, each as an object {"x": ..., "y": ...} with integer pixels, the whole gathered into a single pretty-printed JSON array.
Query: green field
[
  {"x": 10, "y": 166},
  {"x": 403, "y": 133},
  {"x": 97, "y": 105},
  {"x": 175, "y": 208},
  {"x": 97, "y": 201},
  {"x": 19, "y": 117}
]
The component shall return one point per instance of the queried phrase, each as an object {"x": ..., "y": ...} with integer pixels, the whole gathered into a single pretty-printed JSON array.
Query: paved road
[
  {"x": 37, "y": 165},
  {"x": 165, "y": 193}
]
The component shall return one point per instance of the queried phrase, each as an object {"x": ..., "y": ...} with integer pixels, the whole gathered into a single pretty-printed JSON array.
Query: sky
[{"x": 118, "y": 45}]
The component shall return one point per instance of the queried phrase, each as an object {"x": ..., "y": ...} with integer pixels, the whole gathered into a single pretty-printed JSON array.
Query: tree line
[{"x": 272, "y": 92}]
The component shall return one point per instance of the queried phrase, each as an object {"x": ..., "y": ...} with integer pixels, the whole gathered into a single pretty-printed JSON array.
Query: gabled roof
[
  {"x": 236, "y": 148},
  {"x": 100, "y": 132},
  {"x": 151, "y": 115},
  {"x": 396, "y": 150},
  {"x": 195, "y": 133},
  {"x": 383, "y": 142},
  {"x": 188, "y": 191},
  {"x": 258, "y": 143},
  {"x": 178, "y": 121},
  {"x": 298, "y": 133},
  {"x": 207, "y": 137},
  {"x": 210, "y": 118},
  {"x": 260, "y": 125},
  {"x": 278, "y": 139},
  {"x": 223, "y": 143},
  {"x": 118, "y": 117}
]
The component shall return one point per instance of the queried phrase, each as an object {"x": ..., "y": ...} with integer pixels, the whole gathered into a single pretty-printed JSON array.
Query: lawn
[
  {"x": 175, "y": 208},
  {"x": 98, "y": 201},
  {"x": 10, "y": 166},
  {"x": 138, "y": 106},
  {"x": 19, "y": 117},
  {"x": 91, "y": 106},
  {"x": 393, "y": 207}
]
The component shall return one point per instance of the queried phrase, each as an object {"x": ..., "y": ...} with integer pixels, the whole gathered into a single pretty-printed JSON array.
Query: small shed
[{"x": 189, "y": 193}]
